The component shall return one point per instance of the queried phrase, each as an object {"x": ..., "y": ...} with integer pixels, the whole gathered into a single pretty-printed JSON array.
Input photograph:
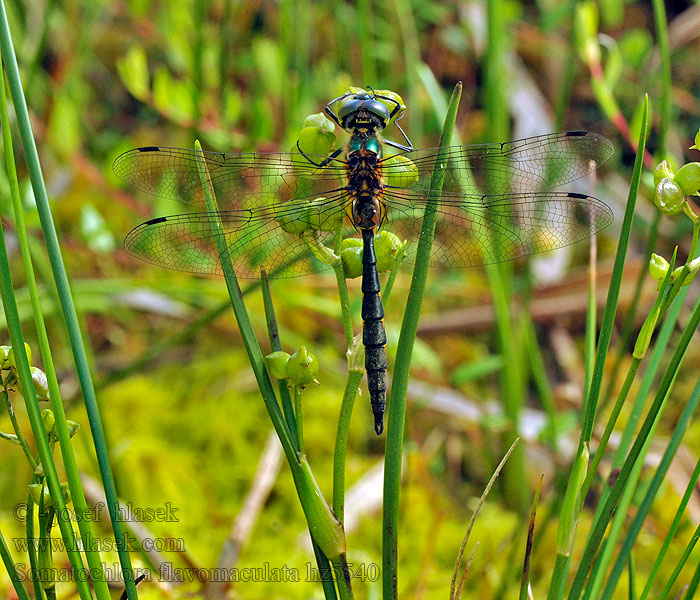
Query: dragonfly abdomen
[{"x": 373, "y": 333}]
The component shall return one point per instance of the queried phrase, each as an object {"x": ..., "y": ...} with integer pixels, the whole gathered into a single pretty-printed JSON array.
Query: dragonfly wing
[
  {"x": 278, "y": 238},
  {"x": 474, "y": 230},
  {"x": 528, "y": 165},
  {"x": 241, "y": 180}
]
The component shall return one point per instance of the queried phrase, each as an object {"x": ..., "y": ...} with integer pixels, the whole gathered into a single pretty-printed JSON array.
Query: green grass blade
[
  {"x": 11, "y": 568},
  {"x": 67, "y": 306},
  {"x": 680, "y": 564},
  {"x": 601, "y": 524},
  {"x": 399, "y": 386},
  {"x": 654, "y": 486},
  {"x": 61, "y": 427},
  {"x": 614, "y": 289}
]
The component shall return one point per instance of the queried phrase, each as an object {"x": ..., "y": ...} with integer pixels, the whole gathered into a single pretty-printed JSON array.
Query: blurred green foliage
[{"x": 188, "y": 428}]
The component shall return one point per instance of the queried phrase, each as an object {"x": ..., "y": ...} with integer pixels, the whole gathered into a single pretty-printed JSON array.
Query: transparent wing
[
  {"x": 474, "y": 230},
  {"x": 265, "y": 238},
  {"x": 528, "y": 165},
  {"x": 241, "y": 181}
]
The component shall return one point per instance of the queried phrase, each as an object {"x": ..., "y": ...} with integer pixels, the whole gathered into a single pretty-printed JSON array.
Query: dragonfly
[{"x": 498, "y": 202}]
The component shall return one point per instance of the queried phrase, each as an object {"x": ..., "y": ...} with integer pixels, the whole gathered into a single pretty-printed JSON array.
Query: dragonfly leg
[
  {"x": 330, "y": 112},
  {"x": 324, "y": 162}
]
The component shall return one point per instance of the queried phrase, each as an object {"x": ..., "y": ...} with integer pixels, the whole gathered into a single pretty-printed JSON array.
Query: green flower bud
[
  {"x": 295, "y": 217},
  {"x": 690, "y": 275},
  {"x": 41, "y": 385},
  {"x": 658, "y": 267},
  {"x": 65, "y": 492},
  {"x": 669, "y": 197},
  {"x": 73, "y": 427},
  {"x": 277, "y": 364},
  {"x": 688, "y": 178},
  {"x": 36, "y": 490},
  {"x": 390, "y": 105},
  {"x": 323, "y": 217},
  {"x": 663, "y": 169},
  {"x": 48, "y": 419},
  {"x": 302, "y": 367},
  {"x": 350, "y": 242},
  {"x": 386, "y": 246},
  {"x": 11, "y": 355},
  {"x": 400, "y": 171},
  {"x": 352, "y": 261},
  {"x": 317, "y": 136}
]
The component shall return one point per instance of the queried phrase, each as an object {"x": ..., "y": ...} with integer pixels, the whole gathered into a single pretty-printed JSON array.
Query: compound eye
[
  {"x": 379, "y": 109},
  {"x": 349, "y": 107}
]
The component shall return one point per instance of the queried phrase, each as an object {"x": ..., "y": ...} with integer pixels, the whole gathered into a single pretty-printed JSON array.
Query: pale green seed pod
[
  {"x": 41, "y": 384},
  {"x": 351, "y": 255},
  {"x": 277, "y": 364},
  {"x": 386, "y": 246},
  {"x": 73, "y": 427},
  {"x": 65, "y": 492},
  {"x": 49, "y": 420},
  {"x": 400, "y": 171},
  {"x": 318, "y": 135},
  {"x": 36, "y": 490},
  {"x": 688, "y": 277},
  {"x": 11, "y": 355},
  {"x": 658, "y": 267},
  {"x": 295, "y": 217},
  {"x": 688, "y": 178},
  {"x": 663, "y": 169},
  {"x": 302, "y": 367},
  {"x": 669, "y": 197}
]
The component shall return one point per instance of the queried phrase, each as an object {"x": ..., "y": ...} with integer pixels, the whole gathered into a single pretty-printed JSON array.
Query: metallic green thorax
[{"x": 365, "y": 139}]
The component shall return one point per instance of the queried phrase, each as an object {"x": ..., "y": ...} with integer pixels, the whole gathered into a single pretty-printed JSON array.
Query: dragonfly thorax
[{"x": 365, "y": 186}]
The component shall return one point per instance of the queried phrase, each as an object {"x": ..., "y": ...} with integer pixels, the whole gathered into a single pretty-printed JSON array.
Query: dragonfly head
[{"x": 363, "y": 110}]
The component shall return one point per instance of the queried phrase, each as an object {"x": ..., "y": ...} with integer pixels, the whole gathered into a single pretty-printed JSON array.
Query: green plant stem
[
  {"x": 31, "y": 542},
  {"x": 680, "y": 564},
  {"x": 18, "y": 431},
  {"x": 656, "y": 482},
  {"x": 598, "y": 530},
  {"x": 69, "y": 315},
  {"x": 386, "y": 289},
  {"x": 399, "y": 387},
  {"x": 61, "y": 427},
  {"x": 590, "y": 401},
  {"x": 665, "y": 54},
  {"x": 344, "y": 301},
  {"x": 299, "y": 417},
  {"x": 609, "y": 426},
  {"x": 17, "y": 584},
  {"x": 341, "y": 442},
  {"x": 323, "y": 526},
  {"x": 288, "y": 409},
  {"x": 631, "y": 312},
  {"x": 34, "y": 413},
  {"x": 614, "y": 289},
  {"x": 276, "y": 346}
]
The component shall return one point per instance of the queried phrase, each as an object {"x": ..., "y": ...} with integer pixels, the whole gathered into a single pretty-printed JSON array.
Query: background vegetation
[{"x": 182, "y": 414}]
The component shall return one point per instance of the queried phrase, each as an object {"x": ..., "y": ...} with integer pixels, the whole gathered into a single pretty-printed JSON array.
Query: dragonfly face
[
  {"x": 499, "y": 202},
  {"x": 363, "y": 110}
]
